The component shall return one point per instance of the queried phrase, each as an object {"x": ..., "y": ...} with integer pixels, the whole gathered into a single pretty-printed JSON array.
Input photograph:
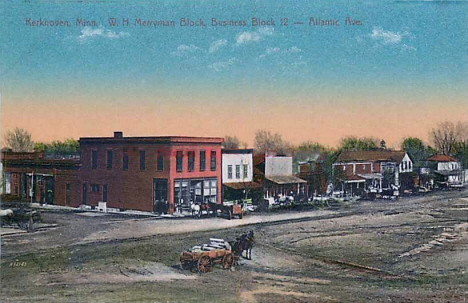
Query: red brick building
[
  {"x": 33, "y": 177},
  {"x": 373, "y": 170},
  {"x": 150, "y": 173}
]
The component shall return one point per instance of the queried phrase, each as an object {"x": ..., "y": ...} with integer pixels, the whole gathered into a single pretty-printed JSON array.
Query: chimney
[{"x": 118, "y": 135}]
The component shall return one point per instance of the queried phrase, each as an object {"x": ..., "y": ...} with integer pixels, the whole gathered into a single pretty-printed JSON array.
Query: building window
[
  {"x": 229, "y": 171},
  {"x": 237, "y": 171},
  {"x": 363, "y": 167},
  {"x": 94, "y": 159},
  {"x": 179, "y": 161},
  {"x": 94, "y": 188},
  {"x": 125, "y": 161},
  {"x": 160, "y": 161},
  {"x": 213, "y": 160},
  {"x": 7, "y": 183},
  {"x": 246, "y": 171},
  {"x": 344, "y": 167},
  {"x": 191, "y": 161},
  {"x": 209, "y": 190},
  {"x": 109, "y": 159},
  {"x": 142, "y": 160},
  {"x": 202, "y": 160}
]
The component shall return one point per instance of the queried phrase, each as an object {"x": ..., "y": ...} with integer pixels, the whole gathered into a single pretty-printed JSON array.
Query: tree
[
  {"x": 233, "y": 143},
  {"x": 19, "y": 140},
  {"x": 266, "y": 142},
  {"x": 57, "y": 148},
  {"x": 416, "y": 149},
  {"x": 461, "y": 153},
  {"x": 354, "y": 143},
  {"x": 308, "y": 150},
  {"x": 448, "y": 135}
]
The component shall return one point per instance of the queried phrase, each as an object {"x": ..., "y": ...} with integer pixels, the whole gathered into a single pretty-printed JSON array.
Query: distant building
[
  {"x": 275, "y": 173},
  {"x": 32, "y": 177},
  {"x": 358, "y": 172},
  {"x": 237, "y": 174},
  {"x": 159, "y": 174},
  {"x": 312, "y": 170},
  {"x": 446, "y": 171}
]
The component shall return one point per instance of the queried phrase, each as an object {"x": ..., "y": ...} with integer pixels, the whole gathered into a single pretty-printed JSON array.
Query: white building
[
  {"x": 237, "y": 165},
  {"x": 449, "y": 171},
  {"x": 237, "y": 174}
]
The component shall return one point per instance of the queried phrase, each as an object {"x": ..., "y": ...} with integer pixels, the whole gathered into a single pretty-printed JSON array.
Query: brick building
[
  {"x": 33, "y": 177},
  {"x": 373, "y": 170},
  {"x": 157, "y": 174}
]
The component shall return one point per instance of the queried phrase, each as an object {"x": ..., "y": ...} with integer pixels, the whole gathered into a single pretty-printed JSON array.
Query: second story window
[
  {"x": 213, "y": 160},
  {"x": 160, "y": 162},
  {"x": 125, "y": 161},
  {"x": 94, "y": 159},
  {"x": 109, "y": 159},
  {"x": 229, "y": 171},
  {"x": 94, "y": 188},
  {"x": 142, "y": 160},
  {"x": 246, "y": 171},
  {"x": 237, "y": 171},
  {"x": 202, "y": 160},
  {"x": 179, "y": 161},
  {"x": 191, "y": 161}
]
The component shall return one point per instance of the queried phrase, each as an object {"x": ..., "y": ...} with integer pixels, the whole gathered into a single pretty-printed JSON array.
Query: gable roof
[
  {"x": 371, "y": 155},
  {"x": 441, "y": 158}
]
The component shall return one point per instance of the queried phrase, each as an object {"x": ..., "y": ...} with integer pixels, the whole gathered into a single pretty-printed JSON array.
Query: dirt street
[{"x": 410, "y": 250}]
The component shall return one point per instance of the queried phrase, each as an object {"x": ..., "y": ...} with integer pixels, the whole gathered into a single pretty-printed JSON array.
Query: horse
[
  {"x": 195, "y": 210},
  {"x": 244, "y": 243},
  {"x": 249, "y": 241}
]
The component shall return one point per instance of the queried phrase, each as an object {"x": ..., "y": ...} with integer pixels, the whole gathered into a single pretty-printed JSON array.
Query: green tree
[
  {"x": 308, "y": 150},
  {"x": 68, "y": 147},
  {"x": 355, "y": 143},
  {"x": 416, "y": 149}
]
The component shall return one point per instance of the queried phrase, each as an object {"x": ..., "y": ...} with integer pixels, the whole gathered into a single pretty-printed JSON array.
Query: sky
[{"x": 398, "y": 74}]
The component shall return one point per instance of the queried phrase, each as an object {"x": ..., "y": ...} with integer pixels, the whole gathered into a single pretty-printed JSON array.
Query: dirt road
[{"x": 411, "y": 250}]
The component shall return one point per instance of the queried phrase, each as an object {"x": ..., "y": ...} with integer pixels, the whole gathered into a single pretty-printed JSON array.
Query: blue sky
[{"x": 404, "y": 52}]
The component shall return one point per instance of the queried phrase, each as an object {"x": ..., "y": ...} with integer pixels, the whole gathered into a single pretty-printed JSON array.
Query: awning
[
  {"x": 39, "y": 174},
  {"x": 285, "y": 179},
  {"x": 243, "y": 185},
  {"x": 371, "y": 176},
  {"x": 353, "y": 179},
  {"x": 449, "y": 172}
]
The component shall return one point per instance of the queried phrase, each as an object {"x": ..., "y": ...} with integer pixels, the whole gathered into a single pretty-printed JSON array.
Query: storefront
[{"x": 188, "y": 191}]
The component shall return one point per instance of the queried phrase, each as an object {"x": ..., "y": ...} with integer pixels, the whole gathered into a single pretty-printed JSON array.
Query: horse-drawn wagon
[
  {"x": 203, "y": 258},
  {"x": 232, "y": 210}
]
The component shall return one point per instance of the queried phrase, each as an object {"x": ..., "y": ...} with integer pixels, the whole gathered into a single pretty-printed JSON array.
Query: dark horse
[{"x": 244, "y": 243}]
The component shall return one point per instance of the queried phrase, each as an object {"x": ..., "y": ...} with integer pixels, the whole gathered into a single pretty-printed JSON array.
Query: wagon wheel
[
  {"x": 241, "y": 215},
  {"x": 204, "y": 264},
  {"x": 228, "y": 261},
  {"x": 229, "y": 214}
]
